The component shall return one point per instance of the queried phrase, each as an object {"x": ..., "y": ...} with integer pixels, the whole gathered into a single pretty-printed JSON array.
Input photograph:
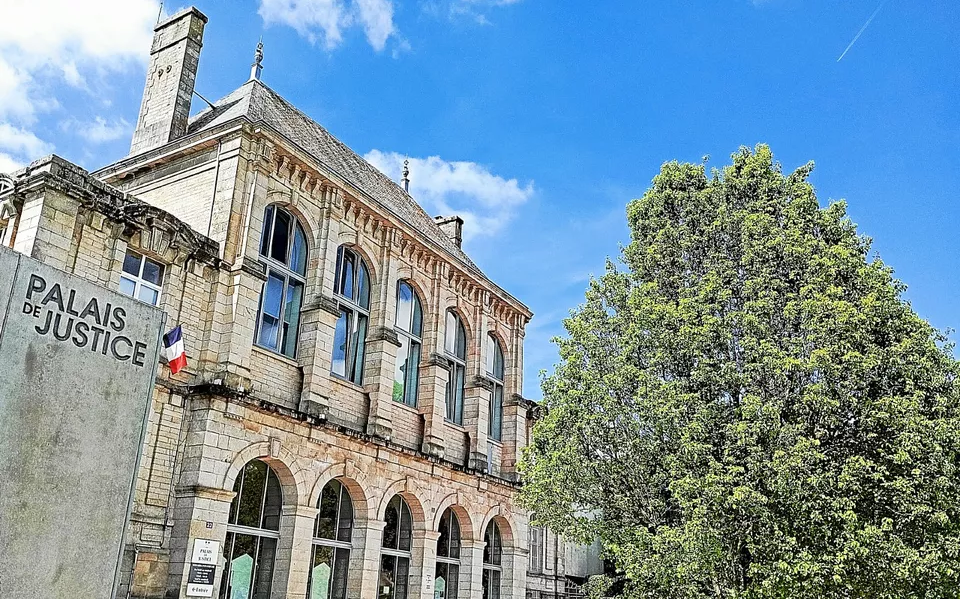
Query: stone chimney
[
  {"x": 452, "y": 226},
  {"x": 174, "y": 58}
]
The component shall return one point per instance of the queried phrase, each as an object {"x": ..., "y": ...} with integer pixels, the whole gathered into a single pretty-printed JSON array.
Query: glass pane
[
  {"x": 263, "y": 573},
  {"x": 127, "y": 287},
  {"x": 298, "y": 255},
  {"x": 291, "y": 318},
  {"x": 443, "y": 542},
  {"x": 488, "y": 358},
  {"x": 273, "y": 502},
  {"x": 340, "y": 344},
  {"x": 131, "y": 263},
  {"x": 406, "y": 527},
  {"x": 498, "y": 360},
  {"x": 404, "y": 306},
  {"x": 458, "y": 394},
  {"x": 321, "y": 572},
  {"x": 239, "y": 574},
  {"x": 281, "y": 236},
  {"x": 388, "y": 577},
  {"x": 345, "y": 529},
  {"x": 413, "y": 375},
  {"x": 152, "y": 271},
  {"x": 417, "y": 327},
  {"x": 454, "y": 536},
  {"x": 269, "y": 329},
  {"x": 265, "y": 231},
  {"x": 496, "y": 413},
  {"x": 148, "y": 295},
  {"x": 340, "y": 570},
  {"x": 346, "y": 275},
  {"x": 450, "y": 334},
  {"x": 273, "y": 295},
  {"x": 451, "y": 393},
  {"x": 486, "y": 584},
  {"x": 363, "y": 297},
  {"x": 461, "y": 341},
  {"x": 400, "y": 369},
  {"x": 440, "y": 582},
  {"x": 327, "y": 518},
  {"x": 392, "y": 528},
  {"x": 403, "y": 576},
  {"x": 358, "y": 347},
  {"x": 250, "y": 499}
]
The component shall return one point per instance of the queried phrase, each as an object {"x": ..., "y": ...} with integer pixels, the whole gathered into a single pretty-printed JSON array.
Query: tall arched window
[
  {"x": 447, "y": 580},
  {"x": 395, "y": 551},
  {"x": 352, "y": 287},
  {"x": 495, "y": 373},
  {"x": 455, "y": 346},
  {"x": 410, "y": 331},
  {"x": 332, "y": 537},
  {"x": 492, "y": 559},
  {"x": 283, "y": 247},
  {"x": 253, "y": 529}
]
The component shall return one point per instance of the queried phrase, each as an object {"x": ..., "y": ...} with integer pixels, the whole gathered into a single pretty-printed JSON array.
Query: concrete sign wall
[{"x": 77, "y": 367}]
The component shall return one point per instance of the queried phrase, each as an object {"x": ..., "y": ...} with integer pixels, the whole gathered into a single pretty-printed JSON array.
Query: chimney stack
[
  {"x": 174, "y": 58},
  {"x": 452, "y": 226}
]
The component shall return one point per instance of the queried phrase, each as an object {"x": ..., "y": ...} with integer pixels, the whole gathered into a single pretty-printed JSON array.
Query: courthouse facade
[{"x": 350, "y": 420}]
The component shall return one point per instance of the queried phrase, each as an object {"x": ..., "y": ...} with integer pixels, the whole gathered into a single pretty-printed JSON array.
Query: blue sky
[{"x": 540, "y": 119}]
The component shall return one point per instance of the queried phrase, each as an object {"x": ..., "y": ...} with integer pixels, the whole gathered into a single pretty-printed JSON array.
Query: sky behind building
[{"x": 538, "y": 120}]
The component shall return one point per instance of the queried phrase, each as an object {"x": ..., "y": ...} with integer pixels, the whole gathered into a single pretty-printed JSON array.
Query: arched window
[
  {"x": 395, "y": 551},
  {"x": 492, "y": 559},
  {"x": 495, "y": 373},
  {"x": 283, "y": 247},
  {"x": 352, "y": 287},
  {"x": 332, "y": 537},
  {"x": 253, "y": 529},
  {"x": 447, "y": 579},
  {"x": 455, "y": 346},
  {"x": 410, "y": 331}
]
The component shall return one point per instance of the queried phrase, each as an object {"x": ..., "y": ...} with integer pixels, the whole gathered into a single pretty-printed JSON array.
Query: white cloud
[
  {"x": 97, "y": 131},
  {"x": 323, "y": 21},
  {"x": 47, "y": 43},
  {"x": 485, "y": 201},
  {"x": 20, "y": 141}
]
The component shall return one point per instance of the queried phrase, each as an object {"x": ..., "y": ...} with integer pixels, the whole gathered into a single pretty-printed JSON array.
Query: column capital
[{"x": 305, "y": 511}]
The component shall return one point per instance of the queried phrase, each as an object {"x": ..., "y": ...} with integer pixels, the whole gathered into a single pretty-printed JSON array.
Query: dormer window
[{"x": 283, "y": 248}]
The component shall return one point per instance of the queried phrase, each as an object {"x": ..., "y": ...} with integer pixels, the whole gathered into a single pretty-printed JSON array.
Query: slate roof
[{"x": 260, "y": 104}]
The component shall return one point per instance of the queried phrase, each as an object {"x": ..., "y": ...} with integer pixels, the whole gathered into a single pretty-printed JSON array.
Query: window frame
[
  {"x": 496, "y": 374},
  {"x": 447, "y": 560},
  {"x": 353, "y": 312},
  {"x": 397, "y": 553},
  {"x": 335, "y": 543},
  {"x": 413, "y": 339},
  {"x": 457, "y": 368},
  {"x": 287, "y": 273},
  {"x": 495, "y": 569},
  {"x": 258, "y": 533},
  {"x": 138, "y": 281}
]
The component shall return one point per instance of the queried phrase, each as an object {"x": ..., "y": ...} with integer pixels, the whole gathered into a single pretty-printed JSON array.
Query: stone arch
[
  {"x": 282, "y": 199},
  {"x": 356, "y": 243},
  {"x": 468, "y": 326},
  {"x": 404, "y": 488},
  {"x": 507, "y": 529},
  {"x": 282, "y": 462},
  {"x": 340, "y": 472},
  {"x": 411, "y": 278},
  {"x": 468, "y": 530}
]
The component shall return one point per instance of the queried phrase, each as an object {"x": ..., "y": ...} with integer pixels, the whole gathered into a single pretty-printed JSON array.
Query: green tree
[{"x": 747, "y": 407}]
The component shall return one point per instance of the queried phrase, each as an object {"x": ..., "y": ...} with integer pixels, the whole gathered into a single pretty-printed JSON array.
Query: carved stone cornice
[{"x": 480, "y": 382}]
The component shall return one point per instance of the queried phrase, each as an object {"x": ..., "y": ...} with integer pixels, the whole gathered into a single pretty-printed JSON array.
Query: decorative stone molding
[
  {"x": 435, "y": 359},
  {"x": 329, "y": 304},
  {"x": 480, "y": 382},
  {"x": 254, "y": 268},
  {"x": 384, "y": 334}
]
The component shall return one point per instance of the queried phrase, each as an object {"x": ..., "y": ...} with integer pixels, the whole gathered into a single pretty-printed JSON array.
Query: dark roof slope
[{"x": 260, "y": 104}]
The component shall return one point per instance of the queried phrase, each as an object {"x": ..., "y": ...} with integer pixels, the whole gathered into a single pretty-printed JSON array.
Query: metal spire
[
  {"x": 406, "y": 176},
  {"x": 257, "y": 68}
]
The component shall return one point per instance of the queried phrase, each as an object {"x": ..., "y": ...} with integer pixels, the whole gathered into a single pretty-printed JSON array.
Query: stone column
[
  {"x": 471, "y": 568},
  {"x": 369, "y": 570},
  {"x": 382, "y": 342},
  {"x": 514, "y": 576},
  {"x": 426, "y": 557},
  {"x": 477, "y": 419},
  {"x": 294, "y": 551},
  {"x": 199, "y": 513}
]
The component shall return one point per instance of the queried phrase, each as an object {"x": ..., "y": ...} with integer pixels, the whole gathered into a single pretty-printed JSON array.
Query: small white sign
[
  {"x": 199, "y": 590},
  {"x": 205, "y": 552}
]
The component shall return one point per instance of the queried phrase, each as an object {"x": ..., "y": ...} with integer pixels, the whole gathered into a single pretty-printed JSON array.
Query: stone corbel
[
  {"x": 253, "y": 267},
  {"x": 384, "y": 334},
  {"x": 435, "y": 359},
  {"x": 480, "y": 382},
  {"x": 328, "y": 304}
]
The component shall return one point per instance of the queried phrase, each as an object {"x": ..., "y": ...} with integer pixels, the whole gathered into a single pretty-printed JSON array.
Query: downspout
[{"x": 216, "y": 181}]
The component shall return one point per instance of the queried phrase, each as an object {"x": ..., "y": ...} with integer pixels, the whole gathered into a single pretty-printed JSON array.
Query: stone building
[{"x": 350, "y": 420}]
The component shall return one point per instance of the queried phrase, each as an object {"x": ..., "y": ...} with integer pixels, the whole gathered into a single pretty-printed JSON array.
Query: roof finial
[
  {"x": 406, "y": 176},
  {"x": 257, "y": 66}
]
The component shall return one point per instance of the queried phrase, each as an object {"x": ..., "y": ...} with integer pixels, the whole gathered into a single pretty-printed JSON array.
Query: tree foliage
[{"x": 747, "y": 407}]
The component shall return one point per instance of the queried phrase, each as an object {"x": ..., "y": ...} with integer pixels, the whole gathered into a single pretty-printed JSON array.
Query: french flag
[{"x": 173, "y": 350}]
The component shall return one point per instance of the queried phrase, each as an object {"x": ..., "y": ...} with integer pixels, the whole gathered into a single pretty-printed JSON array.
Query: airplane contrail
[{"x": 862, "y": 29}]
